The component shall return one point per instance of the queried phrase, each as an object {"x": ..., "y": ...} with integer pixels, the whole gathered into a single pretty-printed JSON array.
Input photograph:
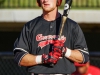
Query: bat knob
[{"x": 51, "y": 65}]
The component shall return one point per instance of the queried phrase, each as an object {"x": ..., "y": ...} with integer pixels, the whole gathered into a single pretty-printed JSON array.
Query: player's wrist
[
  {"x": 38, "y": 59},
  {"x": 68, "y": 53}
]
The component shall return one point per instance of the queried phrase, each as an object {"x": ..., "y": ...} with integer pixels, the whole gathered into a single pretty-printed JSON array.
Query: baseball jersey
[
  {"x": 37, "y": 38},
  {"x": 92, "y": 70}
]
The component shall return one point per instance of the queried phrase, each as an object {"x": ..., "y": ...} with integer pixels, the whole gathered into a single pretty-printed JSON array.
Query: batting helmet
[{"x": 58, "y": 2}]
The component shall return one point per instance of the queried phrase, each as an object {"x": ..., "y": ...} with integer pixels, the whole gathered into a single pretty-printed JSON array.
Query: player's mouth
[{"x": 46, "y": 5}]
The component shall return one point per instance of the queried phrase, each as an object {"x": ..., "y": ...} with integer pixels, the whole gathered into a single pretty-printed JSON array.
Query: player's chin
[{"x": 48, "y": 9}]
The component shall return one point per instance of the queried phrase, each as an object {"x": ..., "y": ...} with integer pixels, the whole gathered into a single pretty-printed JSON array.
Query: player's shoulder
[
  {"x": 33, "y": 21},
  {"x": 30, "y": 24},
  {"x": 72, "y": 23}
]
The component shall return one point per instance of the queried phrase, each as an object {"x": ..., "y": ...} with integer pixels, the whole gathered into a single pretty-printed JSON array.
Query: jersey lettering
[{"x": 49, "y": 39}]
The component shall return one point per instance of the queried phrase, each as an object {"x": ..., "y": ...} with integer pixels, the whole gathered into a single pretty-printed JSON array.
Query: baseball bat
[{"x": 67, "y": 7}]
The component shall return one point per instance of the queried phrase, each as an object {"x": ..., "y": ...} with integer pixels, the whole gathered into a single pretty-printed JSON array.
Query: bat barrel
[{"x": 67, "y": 7}]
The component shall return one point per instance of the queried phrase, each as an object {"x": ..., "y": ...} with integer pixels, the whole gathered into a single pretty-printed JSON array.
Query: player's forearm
[
  {"x": 76, "y": 56},
  {"x": 28, "y": 60}
]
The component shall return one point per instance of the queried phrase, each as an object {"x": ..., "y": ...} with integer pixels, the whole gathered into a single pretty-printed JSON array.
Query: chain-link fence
[
  {"x": 33, "y": 4},
  {"x": 8, "y": 66}
]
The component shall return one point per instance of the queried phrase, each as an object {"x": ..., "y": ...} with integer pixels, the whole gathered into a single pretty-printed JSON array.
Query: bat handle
[{"x": 52, "y": 65}]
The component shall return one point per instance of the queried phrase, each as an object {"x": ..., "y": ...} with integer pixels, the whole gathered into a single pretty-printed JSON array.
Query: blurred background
[{"x": 15, "y": 13}]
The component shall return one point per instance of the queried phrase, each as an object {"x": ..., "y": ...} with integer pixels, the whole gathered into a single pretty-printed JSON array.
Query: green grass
[{"x": 77, "y": 4}]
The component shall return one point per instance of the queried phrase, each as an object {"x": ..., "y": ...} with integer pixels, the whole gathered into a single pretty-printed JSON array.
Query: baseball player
[
  {"x": 40, "y": 48},
  {"x": 86, "y": 69}
]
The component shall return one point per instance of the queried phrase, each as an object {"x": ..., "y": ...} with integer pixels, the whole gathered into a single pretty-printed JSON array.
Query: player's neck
[{"x": 50, "y": 16}]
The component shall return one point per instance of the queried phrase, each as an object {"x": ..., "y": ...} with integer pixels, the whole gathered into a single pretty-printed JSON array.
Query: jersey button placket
[{"x": 51, "y": 26}]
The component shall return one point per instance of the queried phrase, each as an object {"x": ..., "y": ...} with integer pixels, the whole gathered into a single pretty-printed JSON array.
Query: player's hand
[
  {"x": 51, "y": 58},
  {"x": 59, "y": 47}
]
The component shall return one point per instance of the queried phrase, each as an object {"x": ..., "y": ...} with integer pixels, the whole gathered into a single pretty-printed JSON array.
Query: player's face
[{"x": 48, "y": 5}]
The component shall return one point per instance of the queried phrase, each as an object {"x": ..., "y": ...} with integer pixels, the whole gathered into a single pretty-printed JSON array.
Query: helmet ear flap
[
  {"x": 58, "y": 2},
  {"x": 39, "y": 4}
]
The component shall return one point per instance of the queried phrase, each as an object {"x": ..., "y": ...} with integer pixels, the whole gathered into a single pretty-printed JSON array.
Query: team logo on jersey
[{"x": 49, "y": 39}]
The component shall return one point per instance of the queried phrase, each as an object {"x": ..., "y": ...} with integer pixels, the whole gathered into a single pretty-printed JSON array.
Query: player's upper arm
[
  {"x": 80, "y": 43},
  {"x": 21, "y": 45}
]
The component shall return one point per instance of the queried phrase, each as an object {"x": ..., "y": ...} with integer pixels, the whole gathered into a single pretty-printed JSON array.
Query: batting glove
[
  {"x": 51, "y": 58},
  {"x": 59, "y": 47}
]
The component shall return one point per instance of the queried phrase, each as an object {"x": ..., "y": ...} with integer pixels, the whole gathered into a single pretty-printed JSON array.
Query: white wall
[{"x": 24, "y": 15}]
